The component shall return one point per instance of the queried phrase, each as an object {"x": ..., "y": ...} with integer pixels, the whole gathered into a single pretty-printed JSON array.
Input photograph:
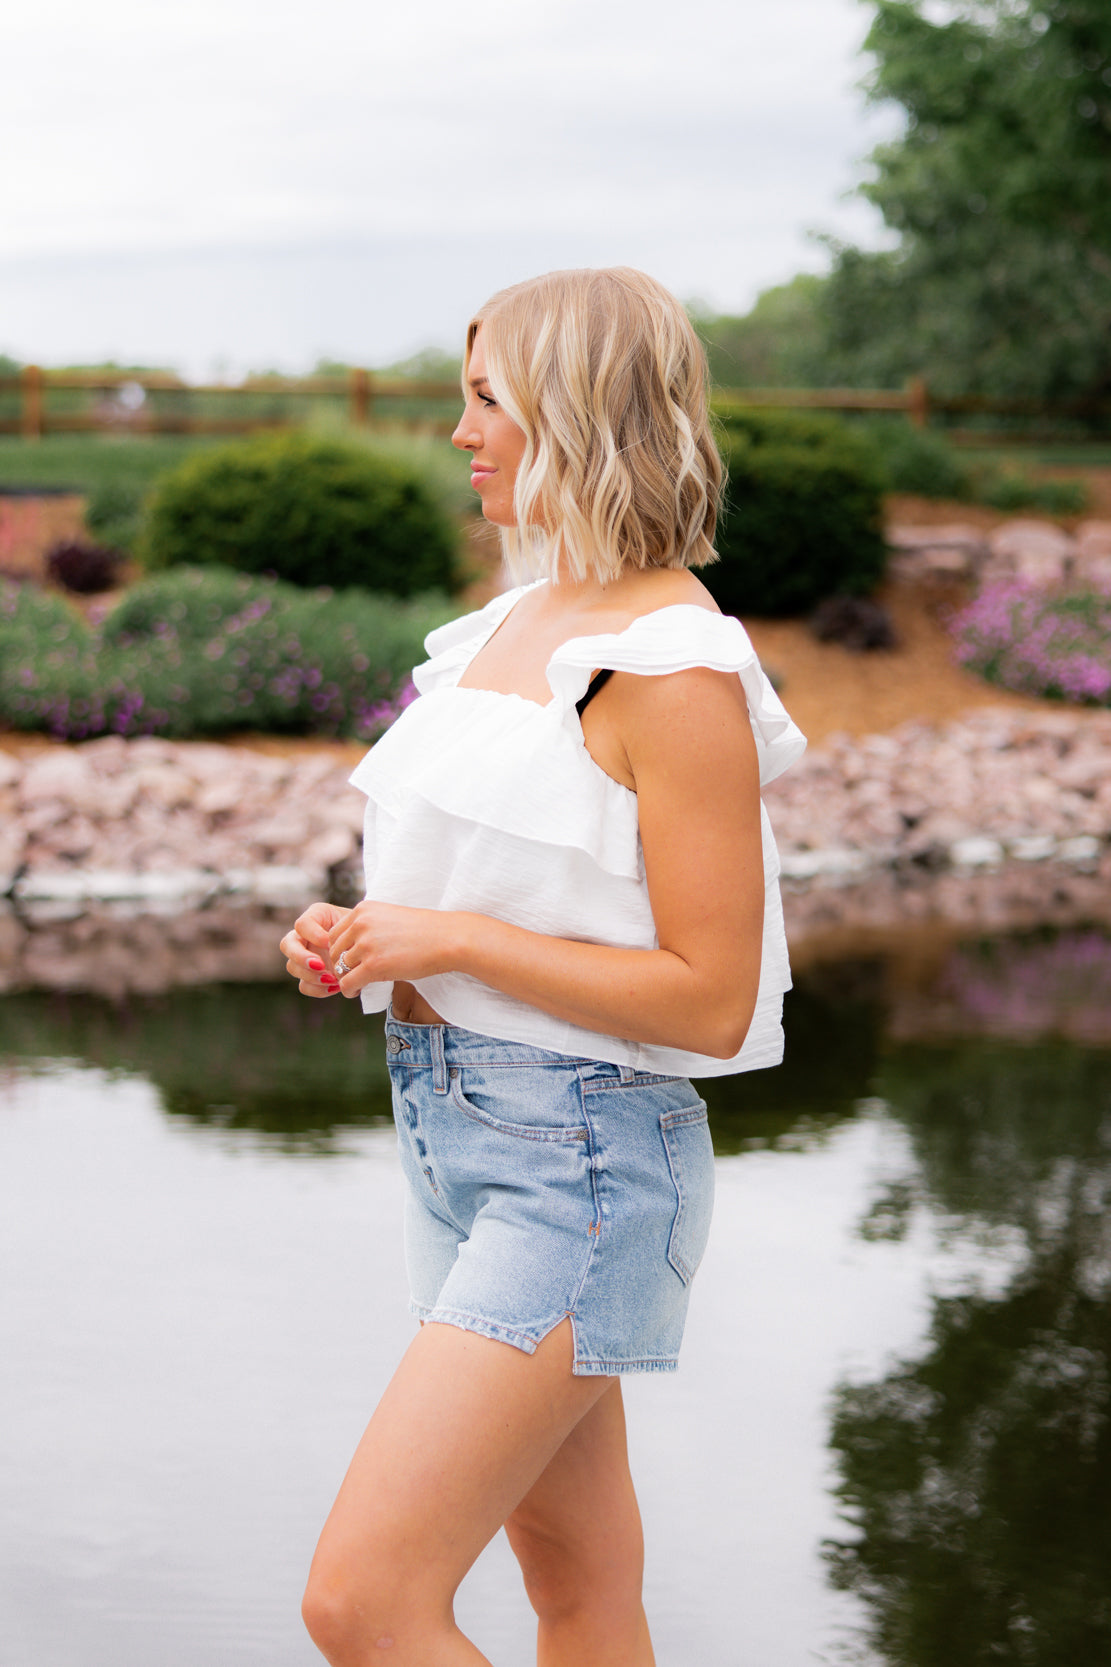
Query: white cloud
[{"x": 701, "y": 141}]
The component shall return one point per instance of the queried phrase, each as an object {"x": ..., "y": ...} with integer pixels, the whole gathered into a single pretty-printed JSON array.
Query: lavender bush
[
  {"x": 1055, "y": 644},
  {"x": 200, "y": 653}
]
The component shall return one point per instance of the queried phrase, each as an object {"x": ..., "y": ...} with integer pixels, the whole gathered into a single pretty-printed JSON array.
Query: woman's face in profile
[{"x": 494, "y": 441}]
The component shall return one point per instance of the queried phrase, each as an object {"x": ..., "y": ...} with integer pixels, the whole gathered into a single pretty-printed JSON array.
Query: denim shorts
[{"x": 542, "y": 1188}]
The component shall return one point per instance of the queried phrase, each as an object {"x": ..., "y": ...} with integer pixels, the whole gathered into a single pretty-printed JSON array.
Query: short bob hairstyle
[{"x": 607, "y": 379}]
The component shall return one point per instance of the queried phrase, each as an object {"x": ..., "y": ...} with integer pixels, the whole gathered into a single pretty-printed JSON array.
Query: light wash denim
[{"x": 542, "y": 1187}]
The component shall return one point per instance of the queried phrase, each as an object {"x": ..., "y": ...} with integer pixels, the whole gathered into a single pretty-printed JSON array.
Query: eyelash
[{"x": 490, "y": 404}]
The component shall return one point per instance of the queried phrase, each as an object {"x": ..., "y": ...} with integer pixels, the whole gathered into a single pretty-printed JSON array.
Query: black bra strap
[{"x": 592, "y": 689}]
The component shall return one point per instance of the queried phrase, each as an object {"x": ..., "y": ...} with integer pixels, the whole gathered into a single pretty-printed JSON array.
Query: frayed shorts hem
[{"x": 581, "y": 1366}]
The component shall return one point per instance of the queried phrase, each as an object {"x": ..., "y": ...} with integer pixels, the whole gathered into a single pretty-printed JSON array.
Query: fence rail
[
  {"x": 160, "y": 403},
  {"x": 137, "y": 402}
]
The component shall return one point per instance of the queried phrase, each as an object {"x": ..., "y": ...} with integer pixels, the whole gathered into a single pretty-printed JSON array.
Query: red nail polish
[
  {"x": 315, "y": 965},
  {"x": 328, "y": 978}
]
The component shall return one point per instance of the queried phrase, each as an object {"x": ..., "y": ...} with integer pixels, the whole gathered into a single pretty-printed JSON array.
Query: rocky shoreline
[
  {"x": 167, "y": 823},
  {"x": 147, "y": 865}
]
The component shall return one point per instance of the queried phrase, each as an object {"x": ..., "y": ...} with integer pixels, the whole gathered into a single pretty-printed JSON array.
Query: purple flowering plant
[
  {"x": 1056, "y": 985},
  {"x": 203, "y": 652},
  {"x": 1052, "y": 643}
]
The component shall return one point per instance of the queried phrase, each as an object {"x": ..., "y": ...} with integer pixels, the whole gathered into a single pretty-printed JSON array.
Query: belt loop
[
  {"x": 626, "y": 1073},
  {"x": 439, "y": 1063}
]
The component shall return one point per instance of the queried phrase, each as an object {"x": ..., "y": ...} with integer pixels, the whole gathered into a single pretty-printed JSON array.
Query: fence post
[
  {"x": 360, "y": 397},
  {"x": 31, "y": 411},
  {"x": 918, "y": 402}
]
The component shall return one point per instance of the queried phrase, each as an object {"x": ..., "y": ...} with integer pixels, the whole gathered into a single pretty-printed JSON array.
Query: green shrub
[
  {"x": 1010, "y": 491},
  {"x": 918, "y": 462},
  {"x": 763, "y": 427},
  {"x": 311, "y": 511},
  {"x": 198, "y": 652},
  {"x": 803, "y": 515},
  {"x": 114, "y": 514}
]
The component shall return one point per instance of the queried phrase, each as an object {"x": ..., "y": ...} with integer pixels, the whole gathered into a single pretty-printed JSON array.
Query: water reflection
[
  {"x": 976, "y": 1478},
  {"x": 253, "y": 1056},
  {"x": 244, "y": 1056},
  {"x": 929, "y": 1172}
]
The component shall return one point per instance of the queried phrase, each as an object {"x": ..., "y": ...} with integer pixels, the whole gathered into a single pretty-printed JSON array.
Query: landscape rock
[
  {"x": 149, "y": 807},
  {"x": 915, "y": 795},
  {"x": 1091, "y": 567},
  {"x": 942, "y": 552},
  {"x": 1035, "y": 551},
  {"x": 180, "y": 820}
]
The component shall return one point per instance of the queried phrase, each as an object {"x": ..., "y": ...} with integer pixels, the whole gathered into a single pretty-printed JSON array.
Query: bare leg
[
  {"x": 462, "y": 1433},
  {"x": 577, "y": 1537}
]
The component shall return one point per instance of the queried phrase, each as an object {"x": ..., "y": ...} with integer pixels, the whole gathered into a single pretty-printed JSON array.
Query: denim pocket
[
  {"x": 522, "y": 1101},
  {"x": 690, "y": 1156}
]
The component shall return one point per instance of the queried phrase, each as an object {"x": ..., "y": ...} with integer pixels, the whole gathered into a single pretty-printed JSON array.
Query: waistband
[{"x": 440, "y": 1047}]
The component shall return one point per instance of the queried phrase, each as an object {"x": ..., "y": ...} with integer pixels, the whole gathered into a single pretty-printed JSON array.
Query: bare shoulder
[
  {"x": 693, "y": 711},
  {"x": 682, "y": 725}
]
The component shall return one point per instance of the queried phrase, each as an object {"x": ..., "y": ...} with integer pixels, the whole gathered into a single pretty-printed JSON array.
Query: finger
[
  {"x": 346, "y": 972},
  {"x": 341, "y": 937},
  {"x": 317, "y": 990},
  {"x": 306, "y": 973},
  {"x": 314, "y": 929}
]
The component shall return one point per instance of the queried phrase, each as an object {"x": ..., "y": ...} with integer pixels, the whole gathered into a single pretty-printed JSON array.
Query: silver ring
[{"x": 341, "y": 966}]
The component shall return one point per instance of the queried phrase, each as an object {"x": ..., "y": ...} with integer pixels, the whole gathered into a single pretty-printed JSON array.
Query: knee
[
  {"x": 328, "y": 1611},
  {"x": 347, "y": 1622}
]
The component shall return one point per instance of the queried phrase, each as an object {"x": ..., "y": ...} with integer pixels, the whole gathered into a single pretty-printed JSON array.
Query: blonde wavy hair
[{"x": 605, "y": 376}]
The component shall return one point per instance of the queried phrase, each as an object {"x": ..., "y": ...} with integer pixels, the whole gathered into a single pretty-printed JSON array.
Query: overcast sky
[{"x": 224, "y": 184}]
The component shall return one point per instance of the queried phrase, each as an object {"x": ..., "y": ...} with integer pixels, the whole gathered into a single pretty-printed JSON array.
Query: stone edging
[{"x": 173, "y": 824}]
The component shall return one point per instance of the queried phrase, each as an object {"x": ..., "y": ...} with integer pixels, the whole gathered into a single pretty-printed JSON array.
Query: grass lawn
[{"x": 85, "y": 462}]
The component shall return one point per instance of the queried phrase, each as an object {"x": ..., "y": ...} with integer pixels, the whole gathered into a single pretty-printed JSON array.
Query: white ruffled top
[{"x": 491, "y": 803}]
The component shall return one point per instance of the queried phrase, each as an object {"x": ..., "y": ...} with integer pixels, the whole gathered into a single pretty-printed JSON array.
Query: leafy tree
[
  {"x": 777, "y": 345},
  {"x": 998, "y": 190}
]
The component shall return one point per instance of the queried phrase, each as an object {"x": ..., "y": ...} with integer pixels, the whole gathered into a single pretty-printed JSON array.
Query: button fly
[{"x": 393, "y": 1044}]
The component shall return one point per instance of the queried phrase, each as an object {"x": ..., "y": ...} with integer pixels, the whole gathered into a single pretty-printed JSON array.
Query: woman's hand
[
  {"x": 384, "y": 943},
  {"x": 308, "y": 957}
]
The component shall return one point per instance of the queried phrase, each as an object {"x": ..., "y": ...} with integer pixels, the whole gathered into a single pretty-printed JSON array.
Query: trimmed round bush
[
  {"x": 307, "y": 510},
  {"x": 803, "y": 517}
]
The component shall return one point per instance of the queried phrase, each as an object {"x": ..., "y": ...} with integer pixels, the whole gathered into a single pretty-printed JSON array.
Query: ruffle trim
[
  {"x": 536, "y": 785},
  {"x": 671, "y": 639},
  {"x": 680, "y": 638}
]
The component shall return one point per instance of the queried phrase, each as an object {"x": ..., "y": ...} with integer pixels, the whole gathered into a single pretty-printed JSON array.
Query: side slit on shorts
[{"x": 542, "y": 1188}]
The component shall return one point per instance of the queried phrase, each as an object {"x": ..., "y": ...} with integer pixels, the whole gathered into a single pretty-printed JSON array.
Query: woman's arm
[{"x": 690, "y": 750}]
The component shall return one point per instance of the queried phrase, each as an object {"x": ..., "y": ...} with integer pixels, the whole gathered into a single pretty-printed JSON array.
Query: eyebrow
[{"x": 478, "y": 381}]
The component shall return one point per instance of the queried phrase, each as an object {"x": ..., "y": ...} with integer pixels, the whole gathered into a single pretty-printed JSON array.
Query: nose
[{"x": 464, "y": 437}]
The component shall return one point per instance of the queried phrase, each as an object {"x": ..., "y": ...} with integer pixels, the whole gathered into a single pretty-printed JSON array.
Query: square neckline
[{"x": 546, "y": 705}]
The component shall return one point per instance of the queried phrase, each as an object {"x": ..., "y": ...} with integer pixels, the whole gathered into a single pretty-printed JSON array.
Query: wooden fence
[
  {"x": 157, "y": 403},
  {"x": 38, "y": 402}
]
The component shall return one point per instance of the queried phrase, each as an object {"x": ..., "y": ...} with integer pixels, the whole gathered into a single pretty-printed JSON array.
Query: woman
[{"x": 571, "y": 908}]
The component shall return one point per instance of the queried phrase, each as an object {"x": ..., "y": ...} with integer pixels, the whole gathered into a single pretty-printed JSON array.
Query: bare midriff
[{"x": 410, "y": 1007}]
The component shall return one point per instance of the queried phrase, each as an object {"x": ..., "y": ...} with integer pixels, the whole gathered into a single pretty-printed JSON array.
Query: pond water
[{"x": 888, "y": 1441}]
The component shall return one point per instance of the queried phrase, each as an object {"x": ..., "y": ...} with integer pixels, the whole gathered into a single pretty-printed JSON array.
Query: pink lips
[{"x": 479, "y": 473}]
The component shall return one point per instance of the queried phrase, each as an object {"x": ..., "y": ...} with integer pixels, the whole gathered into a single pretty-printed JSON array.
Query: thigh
[
  {"x": 462, "y": 1433},
  {"x": 583, "y": 1506}
]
